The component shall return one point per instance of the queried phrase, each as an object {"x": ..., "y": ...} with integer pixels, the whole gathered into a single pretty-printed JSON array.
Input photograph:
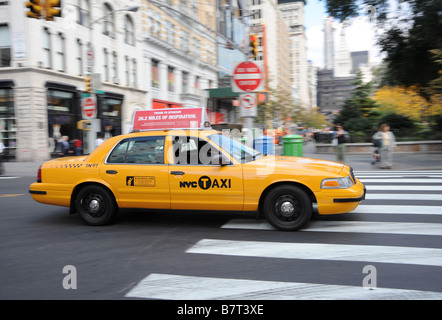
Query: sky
[{"x": 361, "y": 34}]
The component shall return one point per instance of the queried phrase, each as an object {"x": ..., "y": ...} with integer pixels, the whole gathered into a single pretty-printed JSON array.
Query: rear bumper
[
  {"x": 37, "y": 192},
  {"x": 48, "y": 193}
]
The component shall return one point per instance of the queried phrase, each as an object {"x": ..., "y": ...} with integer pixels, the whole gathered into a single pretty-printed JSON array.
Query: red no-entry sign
[
  {"x": 89, "y": 108},
  {"x": 248, "y": 77}
]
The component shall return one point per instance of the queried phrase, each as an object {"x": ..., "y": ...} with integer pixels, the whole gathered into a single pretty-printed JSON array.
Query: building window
[
  {"x": 109, "y": 21},
  {"x": 184, "y": 41},
  {"x": 156, "y": 27},
  {"x": 170, "y": 33},
  {"x": 8, "y": 129},
  {"x": 129, "y": 32},
  {"x": 115, "y": 67},
  {"x": 83, "y": 10},
  {"x": 127, "y": 70},
  {"x": 59, "y": 53},
  {"x": 185, "y": 82},
  {"x": 134, "y": 72},
  {"x": 79, "y": 57},
  {"x": 155, "y": 74},
  {"x": 106, "y": 65},
  {"x": 61, "y": 117},
  {"x": 5, "y": 46},
  {"x": 171, "y": 79},
  {"x": 47, "y": 61},
  {"x": 196, "y": 47}
]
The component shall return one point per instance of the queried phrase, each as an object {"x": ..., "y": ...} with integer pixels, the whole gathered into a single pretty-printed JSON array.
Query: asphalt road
[{"x": 226, "y": 256}]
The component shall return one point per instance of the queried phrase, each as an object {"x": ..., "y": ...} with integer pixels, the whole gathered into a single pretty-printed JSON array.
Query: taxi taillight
[{"x": 39, "y": 174}]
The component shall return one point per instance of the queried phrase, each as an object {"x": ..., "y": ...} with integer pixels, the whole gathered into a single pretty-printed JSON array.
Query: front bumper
[
  {"x": 336, "y": 201},
  {"x": 358, "y": 199}
]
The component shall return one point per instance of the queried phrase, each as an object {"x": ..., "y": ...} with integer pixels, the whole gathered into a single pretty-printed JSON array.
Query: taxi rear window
[{"x": 142, "y": 150}]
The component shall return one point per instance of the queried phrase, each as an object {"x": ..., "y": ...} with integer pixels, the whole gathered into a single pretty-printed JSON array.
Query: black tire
[
  {"x": 96, "y": 206},
  {"x": 287, "y": 208}
]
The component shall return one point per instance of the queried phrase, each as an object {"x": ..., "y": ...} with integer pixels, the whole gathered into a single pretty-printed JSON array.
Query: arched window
[
  {"x": 129, "y": 32},
  {"x": 109, "y": 21}
]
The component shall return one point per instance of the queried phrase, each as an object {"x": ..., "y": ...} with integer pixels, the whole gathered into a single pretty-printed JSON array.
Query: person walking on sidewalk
[
  {"x": 388, "y": 142},
  {"x": 339, "y": 139},
  {"x": 2, "y": 168}
]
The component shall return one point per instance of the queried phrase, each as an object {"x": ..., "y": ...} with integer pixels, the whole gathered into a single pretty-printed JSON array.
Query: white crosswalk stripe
[
  {"x": 177, "y": 287},
  {"x": 384, "y": 213},
  {"x": 348, "y": 226}
]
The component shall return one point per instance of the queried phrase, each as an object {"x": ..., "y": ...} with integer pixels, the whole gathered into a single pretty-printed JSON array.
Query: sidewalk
[{"x": 401, "y": 161}]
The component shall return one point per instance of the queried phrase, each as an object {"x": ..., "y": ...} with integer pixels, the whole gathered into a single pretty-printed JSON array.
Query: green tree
[
  {"x": 406, "y": 39},
  {"x": 358, "y": 112}
]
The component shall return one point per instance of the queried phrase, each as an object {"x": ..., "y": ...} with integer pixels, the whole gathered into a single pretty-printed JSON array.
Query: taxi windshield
[{"x": 235, "y": 148}]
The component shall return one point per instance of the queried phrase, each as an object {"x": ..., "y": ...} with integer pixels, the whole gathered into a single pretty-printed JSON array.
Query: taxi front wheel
[
  {"x": 95, "y": 206},
  {"x": 287, "y": 208}
]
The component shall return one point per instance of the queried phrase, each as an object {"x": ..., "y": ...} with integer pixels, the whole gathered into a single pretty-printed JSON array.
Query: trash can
[
  {"x": 292, "y": 145},
  {"x": 264, "y": 144}
]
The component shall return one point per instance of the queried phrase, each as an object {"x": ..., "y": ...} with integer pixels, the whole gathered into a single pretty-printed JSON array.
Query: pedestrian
[
  {"x": 387, "y": 143},
  {"x": 2, "y": 168},
  {"x": 340, "y": 137},
  {"x": 65, "y": 146},
  {"x": 78, "y": 144},
  {"x": 99, "y": 140}
]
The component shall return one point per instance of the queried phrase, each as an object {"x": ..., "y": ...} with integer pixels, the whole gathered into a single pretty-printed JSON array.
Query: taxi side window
[
  {"x": 145, "y": 150},
  {"x": 191, "y": 150}
]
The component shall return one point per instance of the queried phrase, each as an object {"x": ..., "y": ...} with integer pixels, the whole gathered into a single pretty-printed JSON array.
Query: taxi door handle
[
  {"x": 180, "y": 173},
  {"x": 111, "y": 171}
]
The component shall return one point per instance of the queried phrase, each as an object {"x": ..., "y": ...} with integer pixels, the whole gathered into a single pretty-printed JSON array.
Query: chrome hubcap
[
  {"x": 287, "y": 208},
  {"x": 94, "y": 206}
]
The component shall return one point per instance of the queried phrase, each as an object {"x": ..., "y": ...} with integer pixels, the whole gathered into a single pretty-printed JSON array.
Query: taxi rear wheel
[
  {"x": 287, "y": 208},
  {"x": 95, "y": 206}
]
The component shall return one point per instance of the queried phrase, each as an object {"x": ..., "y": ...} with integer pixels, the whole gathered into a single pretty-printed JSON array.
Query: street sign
[
  {"x": 89, "y": 107},
  {"x": 248, "y": 105},
  {"x": 90, "y": 58},
  {"x": 248, "y": 76}
]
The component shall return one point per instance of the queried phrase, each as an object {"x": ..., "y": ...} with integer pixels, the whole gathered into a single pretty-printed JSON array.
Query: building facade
[
  {"x": 44, "y": 79},
  {"x": 141, "y": 55},
  {"x": 267, "y": 22},
  {"x": 329, "y": 43},
  {"x": 180, "y": 51},
  {"x": 293, "y": 16}
]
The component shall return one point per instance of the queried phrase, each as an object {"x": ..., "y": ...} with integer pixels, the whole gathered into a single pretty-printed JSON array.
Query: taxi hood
[{"x": 287, "y": 163}]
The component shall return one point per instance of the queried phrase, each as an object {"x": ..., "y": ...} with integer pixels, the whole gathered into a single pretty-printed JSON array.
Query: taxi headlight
[{"x": 337, "y": 183}]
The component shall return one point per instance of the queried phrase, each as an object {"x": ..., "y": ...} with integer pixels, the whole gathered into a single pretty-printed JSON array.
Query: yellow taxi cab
[{"x": 195, "y": 170}]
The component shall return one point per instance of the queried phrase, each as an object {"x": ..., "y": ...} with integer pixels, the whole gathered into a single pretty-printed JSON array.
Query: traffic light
[
  {"x": 263, "y": 97},
  {"x": 253, "y": 45},
  {"x": 35, "y": 8},
  {"x": 53, "y": 9},
  {"x": 87, "y": 84}
]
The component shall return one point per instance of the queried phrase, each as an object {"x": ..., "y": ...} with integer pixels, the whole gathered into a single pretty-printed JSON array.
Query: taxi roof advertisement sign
[{"x": 174, "y": 118}]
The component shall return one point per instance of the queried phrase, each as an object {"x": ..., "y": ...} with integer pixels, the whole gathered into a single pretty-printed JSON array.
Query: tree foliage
[
  {"x": 405, "y": 101},
  {"x": 407, "y": 39},
  {"x": 358, "y": 111}
]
